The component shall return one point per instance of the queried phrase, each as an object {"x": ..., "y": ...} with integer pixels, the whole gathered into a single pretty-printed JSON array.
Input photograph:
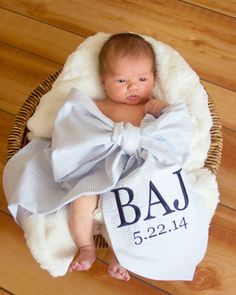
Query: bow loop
[{"x": 127, "y": 137}]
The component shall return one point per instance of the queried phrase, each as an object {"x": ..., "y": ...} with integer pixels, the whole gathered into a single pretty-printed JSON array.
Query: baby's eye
[
  {"x": 121, "y": 80},
  {"x": 142, "y": 79}
]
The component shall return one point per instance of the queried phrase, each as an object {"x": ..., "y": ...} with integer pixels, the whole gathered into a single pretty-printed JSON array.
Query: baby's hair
[{"x": 125, "y": 45}]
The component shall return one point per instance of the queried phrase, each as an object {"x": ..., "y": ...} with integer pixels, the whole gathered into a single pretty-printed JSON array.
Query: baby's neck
[
  {"x": 111, "y": 102},
  {"x": 121, "y": 112}
]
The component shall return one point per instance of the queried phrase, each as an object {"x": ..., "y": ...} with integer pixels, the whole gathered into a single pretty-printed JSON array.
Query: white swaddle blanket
[{"x": 47, "y": 235}]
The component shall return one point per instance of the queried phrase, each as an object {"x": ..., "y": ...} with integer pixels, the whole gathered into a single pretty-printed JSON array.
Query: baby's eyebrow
[
  {"x": 145, "y": 74},
  {"x": 119, "y": 77}
]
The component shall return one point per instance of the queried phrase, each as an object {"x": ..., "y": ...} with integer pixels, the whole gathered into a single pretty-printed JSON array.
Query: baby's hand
[{"x": 154, "y": 106}]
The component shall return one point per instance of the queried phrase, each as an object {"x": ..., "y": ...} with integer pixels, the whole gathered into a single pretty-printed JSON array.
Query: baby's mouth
[{"x": 133, "y": 97}]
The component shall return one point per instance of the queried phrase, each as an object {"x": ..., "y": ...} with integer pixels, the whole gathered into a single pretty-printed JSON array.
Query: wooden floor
[{"x": 35, "y": 39}]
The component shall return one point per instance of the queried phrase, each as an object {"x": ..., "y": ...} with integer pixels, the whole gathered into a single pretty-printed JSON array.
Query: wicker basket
[{"x": 17, "y": 136}]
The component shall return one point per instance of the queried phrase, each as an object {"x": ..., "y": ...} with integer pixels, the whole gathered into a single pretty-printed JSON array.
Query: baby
[{"x": 127, "y": 67}]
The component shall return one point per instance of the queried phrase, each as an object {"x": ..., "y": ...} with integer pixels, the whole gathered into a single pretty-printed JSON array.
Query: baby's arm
[{"x": 154, "y": 106}]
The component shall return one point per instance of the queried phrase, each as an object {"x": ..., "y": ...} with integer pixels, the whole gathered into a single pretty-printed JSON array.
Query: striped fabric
[
  {"x": 86, "y": 154},
  {"x": 91, "y": 154}
]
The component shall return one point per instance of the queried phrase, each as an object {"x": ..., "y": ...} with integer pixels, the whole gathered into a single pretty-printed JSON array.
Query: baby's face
[{"x": 129, "y": 80}]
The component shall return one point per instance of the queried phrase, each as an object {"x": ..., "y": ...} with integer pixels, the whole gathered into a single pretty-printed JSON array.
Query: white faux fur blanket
[{"x": 48, "y": 236}]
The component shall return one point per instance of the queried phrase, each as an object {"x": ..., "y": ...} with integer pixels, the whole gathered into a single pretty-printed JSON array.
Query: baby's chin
[
  {"x": 129, "y": 100},
  {"x": 135, "y": 99}
]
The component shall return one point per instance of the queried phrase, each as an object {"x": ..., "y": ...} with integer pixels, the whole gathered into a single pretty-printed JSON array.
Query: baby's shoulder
[{"x": 99, "y": 102}]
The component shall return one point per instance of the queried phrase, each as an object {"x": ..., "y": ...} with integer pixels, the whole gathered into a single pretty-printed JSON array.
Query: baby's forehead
[
  {"x": 143, "y": 61},
  {"x": 126, "y": 55},
  {"x": 128, "y": 64},
  {"x": 130, "y": 68}
]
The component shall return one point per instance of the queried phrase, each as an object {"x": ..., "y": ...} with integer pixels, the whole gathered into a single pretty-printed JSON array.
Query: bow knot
[{"x": 127, "y": 137}]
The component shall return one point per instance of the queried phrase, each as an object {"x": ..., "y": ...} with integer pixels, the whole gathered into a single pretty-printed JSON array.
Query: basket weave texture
[{"x": 18, "y": 134}]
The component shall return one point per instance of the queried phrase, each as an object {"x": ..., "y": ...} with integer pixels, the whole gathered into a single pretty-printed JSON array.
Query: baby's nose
[{"x": 132, "y": 85}]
